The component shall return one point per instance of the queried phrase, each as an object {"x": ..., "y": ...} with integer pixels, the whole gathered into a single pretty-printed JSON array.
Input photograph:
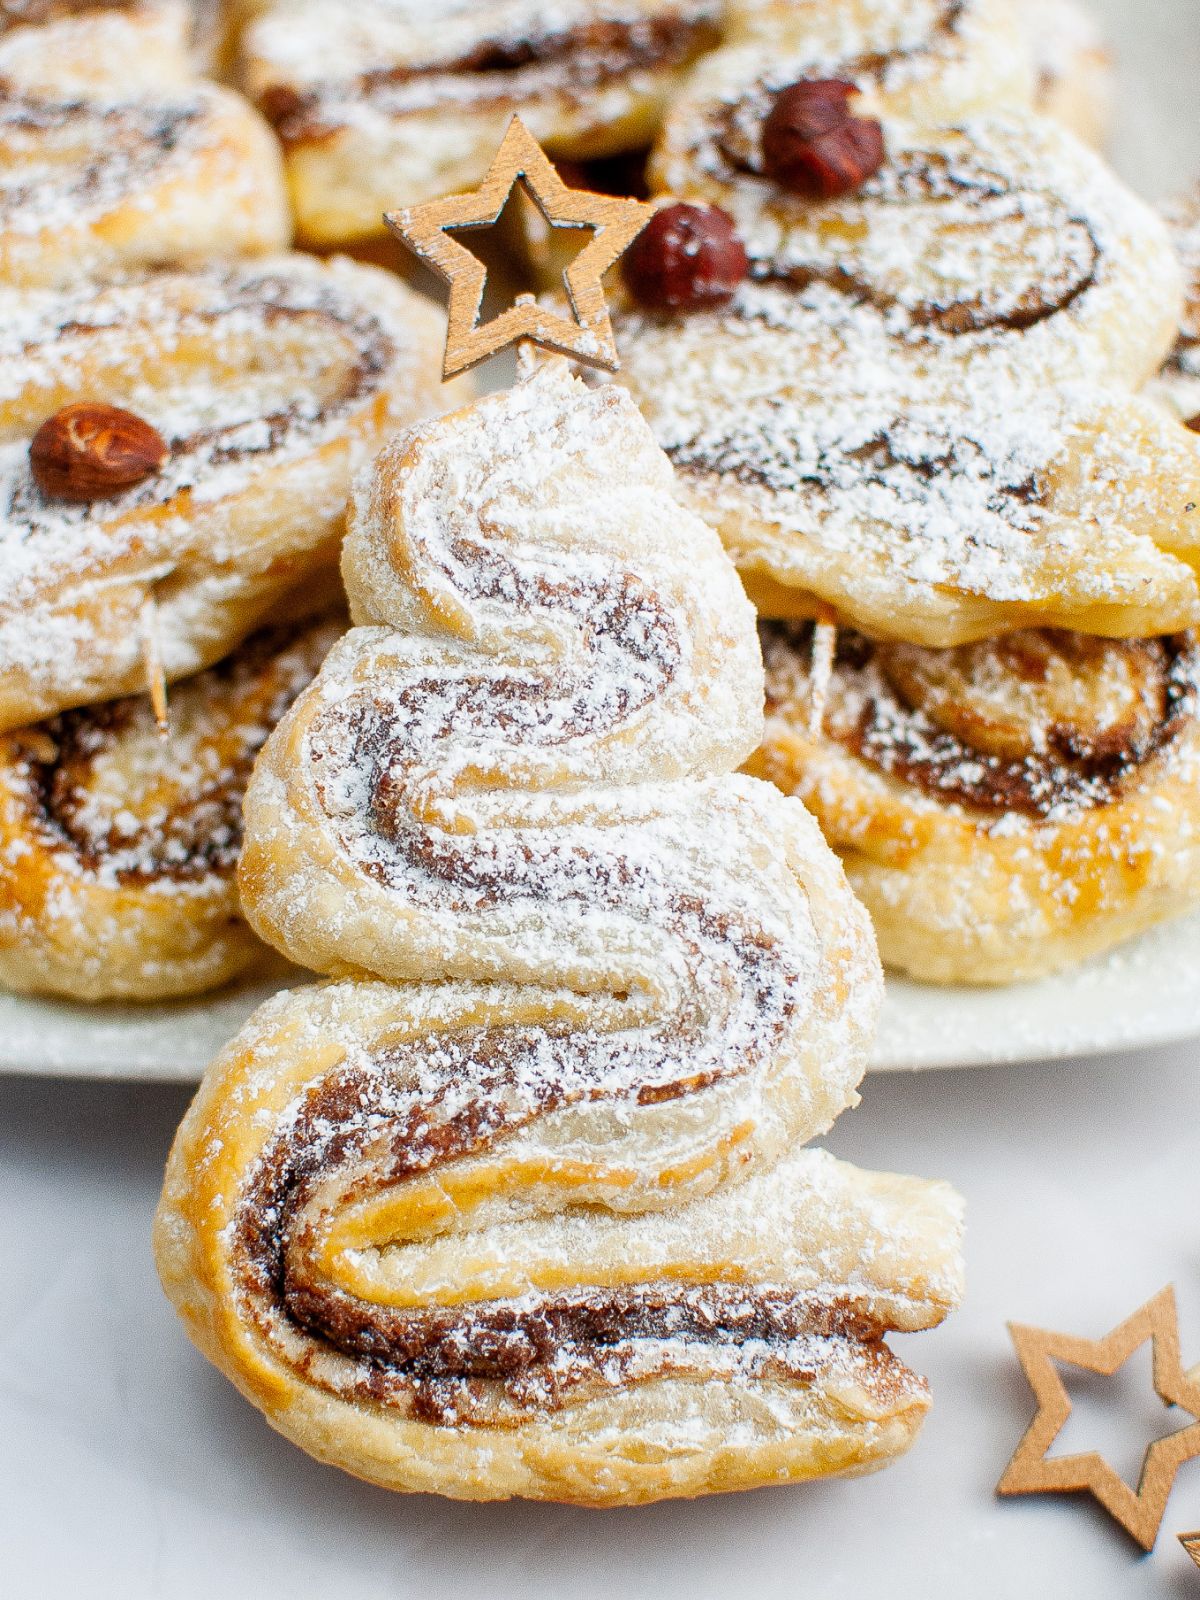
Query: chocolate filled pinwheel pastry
[
  {"x": 113, "y": 158},
  {"x": 175, "y": 460},
  {"x": 532, "y": 1217},
  {"x": 925, "y": 61},
  {"x": 1005, "y": 809},
  {"x": 999, "y": 248},
  {"x": 938, "y": 519},
  {"x": 118, "y": 847},
  {"x": 377, "y": 100},
  {"x": 82, "y": 47}
]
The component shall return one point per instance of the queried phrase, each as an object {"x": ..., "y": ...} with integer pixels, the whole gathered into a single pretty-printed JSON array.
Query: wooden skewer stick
[
  {"x": 156, "y": 681},
  {"x": 824, "y": 647}
]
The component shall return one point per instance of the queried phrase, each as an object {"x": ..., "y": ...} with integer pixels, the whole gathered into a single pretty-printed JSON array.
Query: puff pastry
[
  {"x": 270, "y": 382},
  {"x": 917, "y": 407},
  {"x": 118, "y": 848},
  {"x": 112, "y": 157},
  {"x": 535, "y": 1220},
  {"x": 999, "y": 247},
  {"x": 380, "y": 101},
  {"x": 82, "y": 47},
  {"x": 925, "y": 61},
  {"x": 1004, "y": 809}
]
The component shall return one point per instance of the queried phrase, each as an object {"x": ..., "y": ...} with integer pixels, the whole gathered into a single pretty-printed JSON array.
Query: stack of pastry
[
  {"x": 379, "y": 99},
  {"x": 894, "y": 333},
  {"x": 184, "y": 404},
  {"x": 519, "y": 1203}
]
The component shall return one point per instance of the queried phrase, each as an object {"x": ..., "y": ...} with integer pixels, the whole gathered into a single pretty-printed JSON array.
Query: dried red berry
[
  {"x": 685, "y": 258},
  {"x": 814, "y": 145}
]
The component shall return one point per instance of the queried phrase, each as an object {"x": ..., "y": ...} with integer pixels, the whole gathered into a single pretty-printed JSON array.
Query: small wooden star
[
  {"x": 588, "y": 335},
  {"x": 1191, "y": 1543},
  {"x": 1031, "y": 1472}
]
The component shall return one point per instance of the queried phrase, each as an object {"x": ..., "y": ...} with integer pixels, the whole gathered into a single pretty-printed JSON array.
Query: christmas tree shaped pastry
[{"x": 519, "y": 1204}]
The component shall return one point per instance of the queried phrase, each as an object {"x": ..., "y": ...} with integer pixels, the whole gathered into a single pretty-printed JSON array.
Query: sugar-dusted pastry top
[
  {"x": 311, "y": 63},
  {"x": 928, "y": 61},
  {"x": 1001, "y": 241},
  {"x": 1004, "y": 809},
  {"x": 90, "y": 186},
  {"x": 118, "y": 846},
  {"x": 269, "y": 382},
  {"x": 382, "y": 101},
  {"x": 532, "y": 1217},
  {"x": 937, "y": 517},
  {"x": 1039, "y": 723}
]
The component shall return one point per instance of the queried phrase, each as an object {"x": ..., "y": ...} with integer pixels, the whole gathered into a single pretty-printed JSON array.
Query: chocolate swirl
[
  {"x": 118, "y": 847},
  {"x": 103, "y": 786},
  {"x": 1040, "y": 723},
  {"x": 269, "y": 382},
  {"x": 550, "y": 1134},
  {"x": 501, "y": 70},
  {"x": 99, "y": 183}
]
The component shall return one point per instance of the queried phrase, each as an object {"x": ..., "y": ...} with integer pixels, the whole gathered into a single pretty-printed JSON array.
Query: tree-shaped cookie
[{"x": 520, "y": 1204}]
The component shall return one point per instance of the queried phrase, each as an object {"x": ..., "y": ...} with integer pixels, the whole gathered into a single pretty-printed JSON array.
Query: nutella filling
[
  {"x": 158, "y": 830},
  {"x": 884, "y": 707},
  {"x": 572, "y": 61}
]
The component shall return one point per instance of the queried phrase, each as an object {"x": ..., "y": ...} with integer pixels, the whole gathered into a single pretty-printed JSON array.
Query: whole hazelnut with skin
[
  {"x": 89, "y": 451},
  {"x": 814, "y": 145},
  {"x": 686, "y": 258}
]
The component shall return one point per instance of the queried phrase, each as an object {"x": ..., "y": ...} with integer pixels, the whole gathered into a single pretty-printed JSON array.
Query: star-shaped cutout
[
  {"x": 1030, "y": 1471},
  {"x": 1191, "y": 1543},
  {"x": 588, "y": 335}
]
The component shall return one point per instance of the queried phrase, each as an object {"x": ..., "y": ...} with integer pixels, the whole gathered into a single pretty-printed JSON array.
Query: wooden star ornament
[
  {"x": 1191, "y": 1543},
  {"x": 1031, "y": 1471},
  {"x": 587, "y": 335}
]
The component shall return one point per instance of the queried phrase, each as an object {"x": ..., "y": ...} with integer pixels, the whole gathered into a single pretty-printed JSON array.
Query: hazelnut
[
  {"x": 87, "y": 452},
  {"x": 814, "y": 145},
  {"x": 686, "y": 258}
]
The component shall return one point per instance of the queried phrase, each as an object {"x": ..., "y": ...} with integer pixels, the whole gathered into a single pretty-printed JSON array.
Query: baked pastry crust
[
  {"x": 81, "y": 48},
  {"x": 1003, "y": 810},
  {"x": 999, "y": 247},
  {"x": 917, "y": 407},
  {"x": 925, "y": 62},
  {"x": 271, "y": 382},
  {"x": 377, "y": 103},
  {"x": 118, "y": 848},
  {"x": 535, "y": 1220},
  {"x": 114, "y": 158}
]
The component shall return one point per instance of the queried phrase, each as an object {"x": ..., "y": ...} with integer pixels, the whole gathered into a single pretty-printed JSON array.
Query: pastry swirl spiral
[
  {"x": 1000, "y": 247},
  {"x": 118, "y": 849},
  {"x": 925, "y": 61},
  {"x": 375, "y": 99},
  {"x": 917, "y": 409},
  {"x": 1006, "y": 808},
  {"x": 114, "y": 158},
  {"x": 532, "y": 1217},
  {"x": 270, "y": 382}
]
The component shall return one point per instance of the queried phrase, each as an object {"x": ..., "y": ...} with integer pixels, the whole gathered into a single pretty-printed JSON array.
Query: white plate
[{"x": 1147, "y": 993}]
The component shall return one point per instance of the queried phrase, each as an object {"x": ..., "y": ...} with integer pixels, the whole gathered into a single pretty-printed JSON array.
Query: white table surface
[{"x": 128, "y": 1468}]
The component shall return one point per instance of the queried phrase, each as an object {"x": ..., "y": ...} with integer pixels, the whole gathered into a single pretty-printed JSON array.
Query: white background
[{"x": 128, "y": 1468}]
